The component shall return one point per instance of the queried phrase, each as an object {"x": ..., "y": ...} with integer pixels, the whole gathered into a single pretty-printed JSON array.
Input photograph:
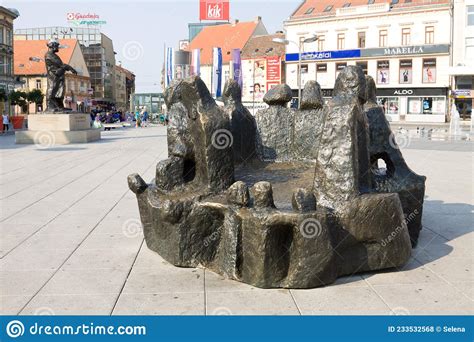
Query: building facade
[
  {"x": 30, "y": 69},
  {"x": 152, "y": 102},
  {"x": 228, "y": 37},
  {"x": 262, "y": 68},
  {"x": 98, "y": 53},
  {"x": 462, "y": 70},
  {"x": 7, "y": 79},
  {"x": 405, "y": 47}
]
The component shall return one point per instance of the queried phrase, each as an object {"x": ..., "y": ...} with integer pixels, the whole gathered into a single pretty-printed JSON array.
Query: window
[
  {"x": 322, "y": 67},
  {"x": 309, "y": 10},
  {"x": 390, "y": 105},
  {"x": 370, "y": 2},
  {"x": 363, "y": 66},
  {"x": 361, "y": 39},
  {"x": 469, "y": 53},
  {"x": 38, "y": 84},
  {"x": 8, "y": 37},
  {"x": 347, "y": 4},
  {"x": 2, "y": 65},
  {"x": 340, "y": 41},
  {"x": 1, "y": 35},
  {"x": 383, "y": 72},
  {"x": 429, "y": 70},
  {"x": 470, "y": 15},
  {"x": 394, "y": 2},
  {"x": 429, "y": 35},
  {"x": 406, "y": 32},
  {"x": 321, "y": 41},
  {"x": 426, "y": 105},
  {"x": 304, "y": 68},
  {"x": 328, "y": 8},
  {"x": 382, "y": 38},
  {"x": 340, "y": 67},
  {"x": 406, "y": 74}
]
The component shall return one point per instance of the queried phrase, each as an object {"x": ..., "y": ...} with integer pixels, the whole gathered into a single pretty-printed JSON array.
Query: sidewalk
[{"x": 71, "y": 241}]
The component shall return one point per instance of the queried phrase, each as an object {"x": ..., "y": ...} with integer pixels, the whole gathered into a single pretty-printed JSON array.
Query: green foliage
[
  {"x": 18, "y": 98},
  {"x": 35, "y": 96}
]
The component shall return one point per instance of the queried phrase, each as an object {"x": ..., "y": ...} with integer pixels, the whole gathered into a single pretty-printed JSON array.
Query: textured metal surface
[{"x": 308, "y": 207}]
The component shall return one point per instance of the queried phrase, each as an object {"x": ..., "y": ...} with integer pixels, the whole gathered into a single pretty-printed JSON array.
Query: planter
[{"x": 17, "y": 121}]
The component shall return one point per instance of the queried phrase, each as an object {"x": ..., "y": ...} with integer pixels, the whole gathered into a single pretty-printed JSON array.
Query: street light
[{"x": 300, "y": 46}]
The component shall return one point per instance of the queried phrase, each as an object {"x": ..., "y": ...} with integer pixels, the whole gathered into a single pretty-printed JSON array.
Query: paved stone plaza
[{"x": 71, "y": 241}]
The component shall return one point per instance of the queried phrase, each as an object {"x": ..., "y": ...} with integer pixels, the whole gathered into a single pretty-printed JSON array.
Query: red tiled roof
[
  {"x": 227, "y": 37},
  {"x": 25, "y": 49},
  {"x": 258, "y": 45},
  {"x": 318, "y": 6}
]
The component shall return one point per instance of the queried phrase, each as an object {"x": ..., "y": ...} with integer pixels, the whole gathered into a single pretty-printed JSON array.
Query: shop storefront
[{"x": 413, "y": 104}]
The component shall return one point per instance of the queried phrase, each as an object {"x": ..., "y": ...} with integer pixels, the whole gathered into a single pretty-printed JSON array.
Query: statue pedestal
[{"x": 59, "y": 128}]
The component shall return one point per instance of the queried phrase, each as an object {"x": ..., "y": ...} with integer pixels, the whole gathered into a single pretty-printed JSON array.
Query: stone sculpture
[
  {"x": 300, "y": 214},
  {"x": 55, "y": 70}
]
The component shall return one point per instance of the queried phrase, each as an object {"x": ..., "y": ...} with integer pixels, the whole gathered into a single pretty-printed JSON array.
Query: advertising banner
[
  {"x": 237, "y": 66},
  {"x": 196, "y": 62},
  {"x": 217, "y": 72},
  {"x": 214, "y": 10}
]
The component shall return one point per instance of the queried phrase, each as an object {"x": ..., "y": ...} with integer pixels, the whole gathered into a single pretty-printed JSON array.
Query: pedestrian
[
  {"x": 6, "y": 122},
  {"x": 138, "y": 121}
]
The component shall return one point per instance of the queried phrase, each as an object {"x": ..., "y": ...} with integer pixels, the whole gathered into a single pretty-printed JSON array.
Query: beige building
[
  {"x": 30, "y": 68},
  {"x": 7, "y": 80},
  {"x": 120, "y": 88}
]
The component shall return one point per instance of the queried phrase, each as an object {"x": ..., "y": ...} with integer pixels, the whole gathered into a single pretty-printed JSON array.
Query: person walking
[
  {"x": 138, "y": 122},
  {"x": 6, "y": 122}
]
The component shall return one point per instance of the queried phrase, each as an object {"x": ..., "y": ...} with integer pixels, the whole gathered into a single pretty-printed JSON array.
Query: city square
[{"x": 306, "y": 168}]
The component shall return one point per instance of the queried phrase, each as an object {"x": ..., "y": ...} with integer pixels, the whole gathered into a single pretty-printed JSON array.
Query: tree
[
  {"x": 35, "y": 96},
  {"x": 19, "y": 98}
]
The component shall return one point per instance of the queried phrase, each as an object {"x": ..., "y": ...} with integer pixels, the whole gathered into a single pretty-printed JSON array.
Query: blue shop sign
[{"x": 322, "y": 55}]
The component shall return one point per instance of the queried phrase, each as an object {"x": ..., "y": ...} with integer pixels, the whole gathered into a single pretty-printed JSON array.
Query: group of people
[{"x": 99, "y": 118}]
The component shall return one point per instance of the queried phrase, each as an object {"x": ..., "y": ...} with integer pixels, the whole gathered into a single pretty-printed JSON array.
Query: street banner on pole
[
  {"x": 217, "y": 71},
  {"x": 237, "y": 66},
  {"x": 169, "y": 67},
  {"x": 196, "y": 62}
]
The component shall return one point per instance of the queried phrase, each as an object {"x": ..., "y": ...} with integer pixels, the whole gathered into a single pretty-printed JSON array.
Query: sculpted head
[{"x": 351, "y": 81}]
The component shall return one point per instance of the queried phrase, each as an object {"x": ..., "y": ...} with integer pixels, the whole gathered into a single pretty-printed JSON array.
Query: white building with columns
[{"x": 404, "y": 45}]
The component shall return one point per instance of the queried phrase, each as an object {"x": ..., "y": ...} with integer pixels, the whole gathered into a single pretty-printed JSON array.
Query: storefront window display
[
  {"x": 429, "y": 70},
  {"x": 406, "y": 74},
  {"x": 390, "y": 105},
  {"x": 426, "y": 105},
  {"x": 383, "y": 72}
]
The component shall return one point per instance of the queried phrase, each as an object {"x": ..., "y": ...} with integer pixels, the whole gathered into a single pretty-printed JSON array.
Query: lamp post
[{"x": 300, "y": 46}]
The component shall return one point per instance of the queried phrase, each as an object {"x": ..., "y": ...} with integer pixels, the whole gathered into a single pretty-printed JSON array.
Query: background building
[
  {"x": 7, "y": 79},
  {"x": 462, "y": 70},
  {"x": 98, "y": 53},
  {"x": 30, "y": 68},
  {"x": 195, "y": 28},
  {"x": 404, "y": 46},
  {"x": 153, "y": 102},
  {"x": 262, "y": 68},
  {"x": 227, "y": 37}
]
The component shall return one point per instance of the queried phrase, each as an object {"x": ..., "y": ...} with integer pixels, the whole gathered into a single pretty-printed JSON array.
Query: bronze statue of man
[{"x": 55, "y": 70}]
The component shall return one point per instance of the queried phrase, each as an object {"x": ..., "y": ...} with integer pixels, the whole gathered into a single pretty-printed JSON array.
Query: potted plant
[
  {"x": 35, "y": 96},
  {"x": 18, "y": 98}
]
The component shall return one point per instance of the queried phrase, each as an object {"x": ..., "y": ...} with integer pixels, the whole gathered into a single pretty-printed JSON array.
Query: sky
[{"x": 139, "y": 29}]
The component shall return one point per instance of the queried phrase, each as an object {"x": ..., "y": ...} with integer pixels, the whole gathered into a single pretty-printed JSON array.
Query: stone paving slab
[{"x": 71, "y": 241}]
